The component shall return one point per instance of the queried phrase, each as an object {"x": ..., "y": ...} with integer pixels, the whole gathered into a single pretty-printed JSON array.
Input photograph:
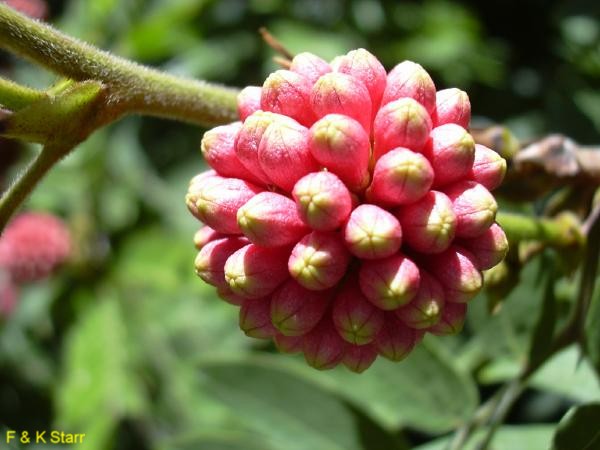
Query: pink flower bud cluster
[{"x": 349, "y": 212}]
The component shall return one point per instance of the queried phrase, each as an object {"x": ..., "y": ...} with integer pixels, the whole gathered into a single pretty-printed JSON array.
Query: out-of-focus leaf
[
  {"x": 541, "y": 339},
  {"x": 425, "y": 391},
  {"x": 565, "y": 374},
  {"x": 218, "y": 440},
  {"x": 508, "y": 437},
  {"x": 589, "y": 102},
  {"x": 98, "y": 387},
  {"x": 281, "y": 408},
  {"x": 592, "y": 331},
  {"x": 579, "y": 429}
]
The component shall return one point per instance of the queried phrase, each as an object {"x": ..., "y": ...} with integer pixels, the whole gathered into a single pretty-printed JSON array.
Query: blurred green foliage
[{"x": 129, "y": 347}]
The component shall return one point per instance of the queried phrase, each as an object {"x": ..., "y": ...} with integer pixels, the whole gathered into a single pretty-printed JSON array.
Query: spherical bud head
[
  {"x": 33, "y": 245},
  {"x": 323, "y": 201},
  {"x": 395, "y": 340},
  {"x": 248, "y": 101},
  {"x": 227, "y": 295},
  {"x": 452, "y": 320},
  {"x": 474, "y": 206},
  {"x": 359, "y": 358},
  {"x": 451, "y": 152},
  {"x": 36, "y": 9},
  {"x": 288, "y": 344},
  {"x": 296, "y": 310},
  {"x": 218, "y": 150},
  {"x": 342, "y": 145},
  {"x": 409, "y": 79},
  {"x": 356, "y": 319},
  {"x": 198, "y": 180},
  {"x": 338, "y": 93},
  {"x": 271, "y": 220},
  {"x": 365, "y": 67},
  {"x": 255, "y": 319},
  {"x": 425, "y": 310},
  {"x": 400, "y": 177},
  {"x": 372, "y": 233},
  {"x": 220, "y": 198},
  {"x": 389, "y": 283},
  {"x": 255, "y": 272},
  {"x": 457, "y": 272},
  {"x": 288, "y": 93},
  {"x": 401, "y": 123},
  {"x": 488, "y": 249},
  {"x": 323, "y": 347},
  {"x": 488, "y": 167},
  {"x": 205, "y": 235},
  {"x": 310, "y": 66},
  {"x": 249, "y": 138},
  {"x": 284, "y": 154},
  {"x": 452, "y": 106},
  {"x": 210, "y": 261},
  {"x": 428, "y": 225},
  {"x": 319, "y": 260}
]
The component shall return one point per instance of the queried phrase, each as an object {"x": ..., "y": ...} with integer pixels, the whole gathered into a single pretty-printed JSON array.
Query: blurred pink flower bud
[
  {"x": 409, "y": 79},
  {"x": 428, "y": 225},
  {"x": 323, "y": 347},
  {"x": 372, "y": 233},
  {"x": 323, "y": 201},
  {"x": 225, "y": 293},
  {"x": 288, "y": 93},
  {"x": 391, "y": 282},
  {"x": 474, "y": 206},
  {"x": 342, "y": 145},
  {"x": 488, "y": 167},
  {"x": 248, "y": 101},
  {"x": 425, "y": 309},
  {"x": 310, "y": 66},
  {"x": 288, "y": 344},
  {"x": 401, "y": 123},
  {"x": 210, "y": 261},
  {"x": 400, "y": 177},
  {"x": 451, "y": 106},
  {"x": 204, "y": 235},
  {"x": 488, "y": 249},
  {"x": 255, "y": 272},
  {"x": 255, "y": 319},
  {"x": 452, "y": 320},
  {"x": 359, "y": 358},
  {"x": 395, "y": 340},
  {"x": 271, "y": 220},
  {"x": 451, "y": 151}
]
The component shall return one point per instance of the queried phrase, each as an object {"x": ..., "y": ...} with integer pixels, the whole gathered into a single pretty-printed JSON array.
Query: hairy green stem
[
  {"x": 14, "y": 96},
  {"x": 132, "y": 88},
  {"x": 557, "y": 232}
]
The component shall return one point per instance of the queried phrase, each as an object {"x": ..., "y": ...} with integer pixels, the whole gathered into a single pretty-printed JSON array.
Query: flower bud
[
  {"x": 372, "y": 233},
  {"x": 271, "y": 220},
  {"x": 359, "y": 358},
  {"x": 401, "y": 123},
  {"x": 391, "y": 282},
  {"x": 409, "y": 79},
  {"x": 356, "y": 319},
  {"x": 323, "y": 347},
  {"x": 197, "y": 181},
  {"x": 218, "y": 149},
  {"x": 255, "y": 272},
  {"x": 284, "y": 155},
  {"x": 452, "y": 320},
  {"x": 428, "y": 225},
  {"x": 400, "y": 177},
  {"x": 338, "y": 93},
  {"x": 451, "y": 106},
  {"x": 425, "y": 310},
  {"x": 456, "y": 271},
  {"x": 310, "y": 66},
  {"x": 210, "y": 261},
  {"x": 451, "y": 151},
  {"x": 319, "y": 260},
  {"x": 474, "y": 206},
  {"x": 248, "y": 101},
  {"x": 288, "y": 93},
  {"x": 255, "y": 319},
  {"x": 205, "y": 235},
  {"x": 488, "y": 167},
  {"x": 296, "y": 310},
  {"x": 342, "y": 145},
  {"x": 365, "y": 67},
  {"x": 395, "y": 340},
  {"x": 219, "y": 199},
  {"x": 227, "y": 295},
  {"x": 323, "y": 201},
  {"x": 487, "y": 249},
  {"x": 288, "y": 344}
]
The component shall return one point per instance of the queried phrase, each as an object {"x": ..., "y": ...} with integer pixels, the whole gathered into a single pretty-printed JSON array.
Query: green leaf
[
  {"x": 98, "y": 387},
  {"x": 579, "y": 429},
  {"x": 218, "y": 440},
  {"x": 541, "y": 340},
  {"x": 424, "y": 391},
  {"x": 282, "y": 408},
  {"x": 508, "y": 437},
  {"x": 592, "y": 332}
]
